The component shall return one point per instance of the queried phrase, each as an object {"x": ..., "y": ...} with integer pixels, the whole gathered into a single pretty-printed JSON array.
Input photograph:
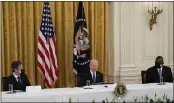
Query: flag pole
[
  {"x": 82, "y": 25},
  {"x": 82, "y": 18}
]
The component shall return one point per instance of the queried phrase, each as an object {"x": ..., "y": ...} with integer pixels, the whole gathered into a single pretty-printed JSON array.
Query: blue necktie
[
  {"x": 160, "y": 72},
  {"x": 94, "y": 79}
]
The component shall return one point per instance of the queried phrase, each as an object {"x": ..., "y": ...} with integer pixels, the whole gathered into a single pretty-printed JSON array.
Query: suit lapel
[
  {"x": 90, "y": 75},
  {"x": 14, "y": 79},
  {"x": 97, "y": 77},
  {"x": 157, "y": 73},
  {"x": 22, "y": 79},
  {"x": 163, "y": 72}
]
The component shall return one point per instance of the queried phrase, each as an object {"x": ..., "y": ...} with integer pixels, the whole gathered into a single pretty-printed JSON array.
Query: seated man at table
[
  {"x": 153, "y": 73},
  {"x": 93, "y": 75},
  {"x": 18, "y": 79}
]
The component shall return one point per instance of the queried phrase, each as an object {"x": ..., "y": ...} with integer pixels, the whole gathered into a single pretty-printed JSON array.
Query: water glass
[
  {"x": 161, "y": 80},
  {"x": 11, "y": 88},
  {"x": 88, "y": 83}
]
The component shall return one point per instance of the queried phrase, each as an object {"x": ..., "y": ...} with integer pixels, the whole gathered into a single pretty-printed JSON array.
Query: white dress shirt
[
  {"x": 161, "y": 70},
  {"x": 16, "y": 76},
  {"x": 92, "y": 74}
]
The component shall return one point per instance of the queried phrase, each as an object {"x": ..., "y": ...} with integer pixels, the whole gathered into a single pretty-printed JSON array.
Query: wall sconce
[{"x": 154, "y": 12}]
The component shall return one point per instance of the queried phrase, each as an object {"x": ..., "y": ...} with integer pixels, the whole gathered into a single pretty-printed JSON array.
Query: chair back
[
  {"x": 4, "y": 81},
  {"x": 81, "y": 77},
  {"x": 143, "y": 76}
]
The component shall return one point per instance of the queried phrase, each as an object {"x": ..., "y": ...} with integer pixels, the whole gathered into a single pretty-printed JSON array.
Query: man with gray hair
[{"x": 93, "y": 75}]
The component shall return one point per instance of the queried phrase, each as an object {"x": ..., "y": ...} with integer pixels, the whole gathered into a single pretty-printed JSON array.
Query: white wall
[{"x": 133, "y": 47}]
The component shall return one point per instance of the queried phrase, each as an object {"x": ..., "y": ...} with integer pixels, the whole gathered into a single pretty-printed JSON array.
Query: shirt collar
[
  {"x": 16, "y": 76},
  {"x": 92, "y": 73},
  {"x": 160, "y": 69}
]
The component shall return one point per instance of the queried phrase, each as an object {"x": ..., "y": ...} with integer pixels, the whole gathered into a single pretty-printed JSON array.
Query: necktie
[
  {"x": 19, "y": 80},
  {"x": 160, "y": 72},
  {"x": 94, "y": 79}
]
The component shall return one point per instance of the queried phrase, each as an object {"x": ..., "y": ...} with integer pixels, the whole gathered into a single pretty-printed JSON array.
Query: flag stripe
[
  {"x": 77, "y": 47},
  {"x": 53, "y": 56},
  {"x": 46, "y": 62},
  {"x": 41, "y": 64},
  {"x": 44, "y": 47},
  {"x": 49, "y": 61},
  {"x": 42, "y": 61},
  {"x": 53, "y": 70},
  {"x": 41, "y": 68},
  {"x": 42, "y": 54},
  {"x": 54, "y": 42},
  {"x": 47, "y": 83}
]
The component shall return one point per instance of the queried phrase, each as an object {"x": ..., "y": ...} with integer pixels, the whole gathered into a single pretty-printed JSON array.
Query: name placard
[{"x": 33, "y": 89}]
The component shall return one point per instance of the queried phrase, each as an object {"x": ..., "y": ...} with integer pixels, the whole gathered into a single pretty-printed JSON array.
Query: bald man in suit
[{"x": 154, "y": 73}]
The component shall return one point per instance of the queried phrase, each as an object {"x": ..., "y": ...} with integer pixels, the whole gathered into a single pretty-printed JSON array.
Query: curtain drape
[{"x": 21, "y": 23}]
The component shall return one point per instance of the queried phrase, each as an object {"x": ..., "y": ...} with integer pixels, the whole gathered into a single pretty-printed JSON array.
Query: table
[{"x": 99, "y": 92}]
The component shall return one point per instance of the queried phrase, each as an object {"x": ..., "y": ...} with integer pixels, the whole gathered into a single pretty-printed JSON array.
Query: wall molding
[{"x": 128, "y": 66}]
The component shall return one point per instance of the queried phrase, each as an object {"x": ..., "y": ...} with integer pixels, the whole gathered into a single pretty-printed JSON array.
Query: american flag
[
  {"x": 77, "y": 46},
  {"x": 47, "y": 60}
]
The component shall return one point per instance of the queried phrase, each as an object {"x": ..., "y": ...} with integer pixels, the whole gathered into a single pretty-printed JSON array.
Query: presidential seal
[
  {"x": 81, "y": 42},
  {"x": 120, "y": 90}
]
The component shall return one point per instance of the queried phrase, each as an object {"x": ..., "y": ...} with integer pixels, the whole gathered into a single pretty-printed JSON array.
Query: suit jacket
[
  {"x": 152, "y": 75},
  {"x": 83, "y": 77},
  {"x": 16, "y": 86}
]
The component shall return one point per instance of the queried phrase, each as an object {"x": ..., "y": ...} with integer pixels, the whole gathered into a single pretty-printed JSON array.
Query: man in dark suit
[
  {"x": 18, "y": 79},
  {"x": 159, "y": 70},
  {"x": 93, "y": 75}
]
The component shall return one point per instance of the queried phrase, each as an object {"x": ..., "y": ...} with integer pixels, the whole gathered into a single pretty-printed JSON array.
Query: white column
[
  {"x": 127, "y": 34},
  {"x": 121, "y": 40},
  {"x": 128, "y": 29},
  {"x": 114, "y": 40}
]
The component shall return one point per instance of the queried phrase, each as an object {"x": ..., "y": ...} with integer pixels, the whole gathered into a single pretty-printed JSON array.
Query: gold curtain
[{"x": 21, "y": 23}]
